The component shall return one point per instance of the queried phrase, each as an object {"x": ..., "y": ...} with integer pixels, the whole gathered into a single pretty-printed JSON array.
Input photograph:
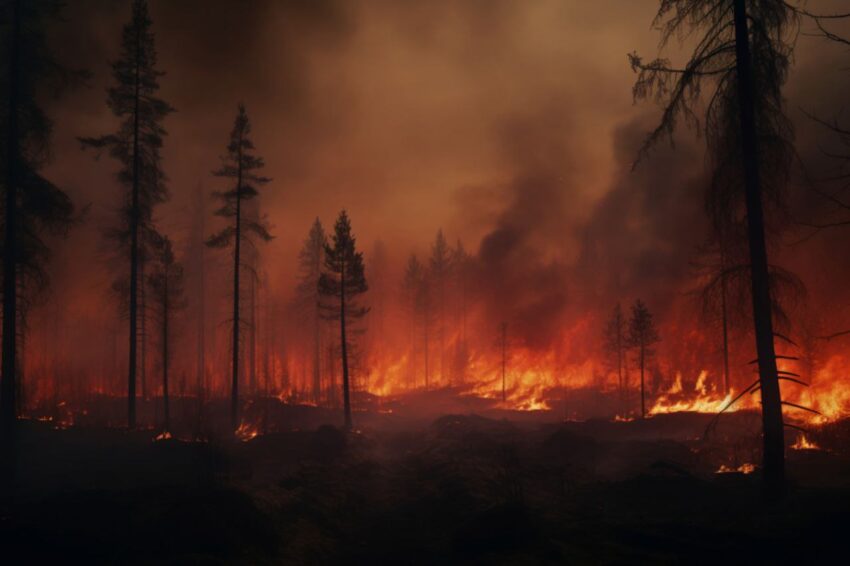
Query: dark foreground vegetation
[{"x": 464, "y": 489}]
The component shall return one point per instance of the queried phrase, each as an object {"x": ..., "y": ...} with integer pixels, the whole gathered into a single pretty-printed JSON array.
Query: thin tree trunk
[
  {"x": 134, "y": 248},
  {"x": 725, "y": 321},
  {"x": 165, "y": 307},
  {"x": 622, "y": 383},
  {"x": 252, "y": 342},
  {"x": 774, "y": 441},
  {"x": 317, "y": 359},
  {"x": 10, "y": 301},
  {"x": 504, "y": 361},
  {"x": 642, "y": 387},
  {"x": 143, "y": 337},
  {"x": 234, "y": 392},
  {"x": 346, "y": 400},
  {"x": 201, "y": 331}
]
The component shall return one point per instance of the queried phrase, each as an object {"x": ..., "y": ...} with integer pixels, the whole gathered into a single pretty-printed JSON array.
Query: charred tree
[
  {"x": 616, "y": 342},
  {"x": 310, "y": 261},
  {"x": 136, "y": 146},
  {"x": 744, "y": 50},
  {"x": 411, "y": 296},
  {"x": 439, "y": 269},
  {"x": 642, "y": 335},
  {"x": 31, "y": 205},
  {"x": 342, "y": 281},
  {"x": 240, "y": 165},
  {"x": 167, "y": 290}
]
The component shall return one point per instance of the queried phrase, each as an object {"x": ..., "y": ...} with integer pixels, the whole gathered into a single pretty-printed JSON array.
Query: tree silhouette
[
  {"x": 461, "y": 265},
  {"x": 136, "y": 146},
  {"x": 167, "y": 290},
  {"x": 439, "y": 270},
  {"x": 341, "y": 282},
  {"x": 616, "y": 342},
  {"x": 32, "y": 206},
  {"x": 241, "y": 165},
  {"x": 310, "y": 261},
  {"x": 411, "y": 286},
  {"x": 642, "y": 335},
  {"x": 744, "y": 52}
]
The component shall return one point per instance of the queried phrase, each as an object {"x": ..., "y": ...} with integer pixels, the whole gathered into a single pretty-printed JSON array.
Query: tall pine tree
[
  {"x": 642, "y": 336},
  {"x": 743, "y": 50},
  {"x": 242, "y": 166},
  {"x": 310, "y": 261},
  {"x": 31, "y": 205},
  {"x": 136, "y": 146},
  {"x": 342, "y": 281}
]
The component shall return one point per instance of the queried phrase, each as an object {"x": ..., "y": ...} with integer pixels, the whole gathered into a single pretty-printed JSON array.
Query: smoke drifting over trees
[{"x": 535, "y": 186}]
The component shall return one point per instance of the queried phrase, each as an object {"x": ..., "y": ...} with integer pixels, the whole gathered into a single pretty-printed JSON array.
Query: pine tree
[
  {"x": 241, "y": 165},
  {"x": 167, "y": 290},
  {"x": 414, "y": 275},
  {"x": 439, "y": 270},
  {"x": 310, "y": 261},
  {"x": 136, "y": 146},
  {"x": 342, "y": 281},
  {"x": 616, "y": 342},
  {"x": 460, "y": 267},
  {"x": 31, "y": 206},
  {"x": 642, "y": 335},
  {"x": 744, "y": 52}
]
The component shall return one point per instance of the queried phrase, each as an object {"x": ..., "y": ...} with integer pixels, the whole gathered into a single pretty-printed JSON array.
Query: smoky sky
[{"x": 508, "y": 124}]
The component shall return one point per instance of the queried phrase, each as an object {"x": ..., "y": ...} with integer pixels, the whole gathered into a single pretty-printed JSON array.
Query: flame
[
  {"x": 162, "y": 436},
  {"x": 701, "y": 399},
  {"x": 745, "y": 468},
  {"x": 247, "y": 431},
  {"x": 803, "y": 443}
]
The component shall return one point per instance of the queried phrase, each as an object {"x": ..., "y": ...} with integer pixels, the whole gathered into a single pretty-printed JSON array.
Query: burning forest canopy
[{"x": 485, "y": 156}]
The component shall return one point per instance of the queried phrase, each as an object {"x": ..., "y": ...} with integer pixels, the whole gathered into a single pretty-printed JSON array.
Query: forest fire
[{"x": 432, "y": 282}]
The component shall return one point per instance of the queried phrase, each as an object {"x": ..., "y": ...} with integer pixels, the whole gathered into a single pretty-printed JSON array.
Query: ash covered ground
[{"x": 417, "y": 488}]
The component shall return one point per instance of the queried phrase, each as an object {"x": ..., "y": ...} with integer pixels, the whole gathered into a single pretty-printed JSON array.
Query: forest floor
[{"x": 460, "y": 488}]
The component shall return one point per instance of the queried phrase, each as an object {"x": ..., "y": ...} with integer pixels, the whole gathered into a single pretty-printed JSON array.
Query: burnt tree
[
  {"x": 642, "y": 335},
  {"x": 342, "y": 281},
  {"x": 136, "y": 146},
  {"x": 743, "y": 50},
  {"x": 242, "y": 166}
]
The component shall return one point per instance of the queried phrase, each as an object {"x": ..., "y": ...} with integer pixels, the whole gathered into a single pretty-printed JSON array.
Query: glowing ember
[
  {"x": 746, "y": 468},
  {"x": 246, "y": 431},
  {"x": 162, "y": 436},
  {"x": 803, "y": 443}
]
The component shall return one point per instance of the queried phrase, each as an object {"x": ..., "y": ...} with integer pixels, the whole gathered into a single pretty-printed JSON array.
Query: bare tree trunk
[
  {"x": 134, "y": 248},
  {"x": 201, "y": 361},
  {"x": 143, "y": 337},
  {"x": 725, "y": 320},
  {"x": 10, "y": 301},
  {"x": 234, "y": 391},
  {"x": 346, "y": 400},
  {"x": 504, "y": 361},
  {"x": 252, "y": 337},
  {"x": 165, "y": 307},
  {"x": 774, "y": 441},
  {"x": 642, "y": 386}
]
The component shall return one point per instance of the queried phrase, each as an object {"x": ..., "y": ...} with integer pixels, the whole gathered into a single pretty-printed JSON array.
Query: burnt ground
[{"x": 459, "y": 488}]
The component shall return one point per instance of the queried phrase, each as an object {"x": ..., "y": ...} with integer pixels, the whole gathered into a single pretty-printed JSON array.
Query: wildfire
[
  {"x": 701, "y": 399},
  {"x": 162, "y": 436},
  {"x": 803, "y": 443},
  {"x": 745, "y": 468},
  {"x": 247, "y": 431}
]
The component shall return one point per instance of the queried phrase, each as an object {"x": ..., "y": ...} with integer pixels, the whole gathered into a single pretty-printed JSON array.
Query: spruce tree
[
  {"x": 342, "y": 281},
  {"x": 136, "y": 145},
  {"x": 242, "y": 166}
]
